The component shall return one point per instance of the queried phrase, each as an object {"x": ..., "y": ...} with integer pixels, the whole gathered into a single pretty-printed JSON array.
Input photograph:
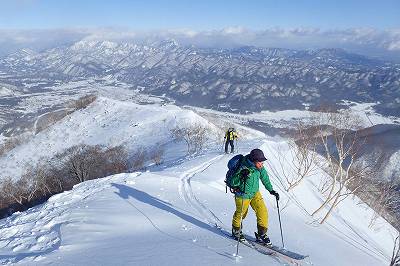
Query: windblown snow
[{"x": 168, "y": 215}]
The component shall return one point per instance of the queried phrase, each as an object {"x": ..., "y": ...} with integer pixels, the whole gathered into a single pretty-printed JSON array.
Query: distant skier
[
  {"x": 245, "y": 184},
  {"x": 230, "y": 136}
]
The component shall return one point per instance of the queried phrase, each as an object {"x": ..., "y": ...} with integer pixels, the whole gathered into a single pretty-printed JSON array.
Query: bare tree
[
  {"x": 138, "y": 159},
  {"x": 340, "y": 144},
  {"x": 81, "y": 161},
  {"x": 76, "y": 164},
  {"x": 303, "y": 150},
  {"x": 21, "y": 191},
  {"x": 49, "y": 119},
  {"x": 82, "y": 102},
  {"x": 395, "y": 261},
  {"x": 116, "y": 158},
  {"x": 194, "y": 136},
  {"x": 199, "y": 137},
  {"x": 11, "y": 143},
  {"x": 49, "y": 179},
  {"x": 384, "y": 199},
  {"x": 157, "y": 154},
  {"x": 11, "y": 192}
]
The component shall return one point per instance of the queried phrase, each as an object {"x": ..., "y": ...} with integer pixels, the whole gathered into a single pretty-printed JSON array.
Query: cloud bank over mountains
[{"x": 376, "y": 43}]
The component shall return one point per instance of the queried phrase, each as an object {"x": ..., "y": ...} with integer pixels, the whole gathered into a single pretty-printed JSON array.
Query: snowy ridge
[{"x": 105, "y": 122}]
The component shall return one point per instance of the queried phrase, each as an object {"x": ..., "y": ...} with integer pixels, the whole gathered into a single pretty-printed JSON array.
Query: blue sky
[
  {"x": 199, "y": 15},
  {"x": 362, "y": 26}
]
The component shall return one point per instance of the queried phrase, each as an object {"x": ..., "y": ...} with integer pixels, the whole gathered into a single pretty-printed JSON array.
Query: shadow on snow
[{"x": 126, "y": 192}]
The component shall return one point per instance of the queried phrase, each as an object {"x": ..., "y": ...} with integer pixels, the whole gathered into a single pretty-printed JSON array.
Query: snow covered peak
[
  {"x": 168, "y": 44},
  {"x": 23, "y": 54},
  {"x": 28, "y": 52},
  {"x": 84, "y": 44},
  {"x": 90, "y": 44}
]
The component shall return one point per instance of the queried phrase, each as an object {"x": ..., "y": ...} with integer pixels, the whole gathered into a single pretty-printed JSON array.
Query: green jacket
[{"x": 251, "y": 186}]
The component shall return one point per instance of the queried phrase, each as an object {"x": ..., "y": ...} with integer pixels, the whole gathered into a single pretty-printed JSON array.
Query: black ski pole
[{"x": 280, "y": 224}]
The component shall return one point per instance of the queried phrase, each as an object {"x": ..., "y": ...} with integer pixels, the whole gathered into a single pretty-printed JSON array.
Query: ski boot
[
  {"x": 263, "y": 239},
  {"x": 238, "y": 235}
]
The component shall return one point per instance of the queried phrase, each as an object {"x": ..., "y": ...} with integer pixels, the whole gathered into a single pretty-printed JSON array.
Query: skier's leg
[
  {"x": 232, "y": 146},
  {"x": 258, "y": 205},
  {"x": 240, "y": 213},
  {"x": 226, "y": 146}
]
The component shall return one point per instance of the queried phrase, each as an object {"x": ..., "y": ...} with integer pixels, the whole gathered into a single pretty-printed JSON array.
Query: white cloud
[{"x": 367, "y": 41}]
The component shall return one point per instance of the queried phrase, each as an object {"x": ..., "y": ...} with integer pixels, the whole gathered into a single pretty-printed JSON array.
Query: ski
[
  {"x": 252, "y": 245},
  {"x": 246, "y": 242},
  {"x": 287, "y": 256},
  {"x": 281, "y": 250}
]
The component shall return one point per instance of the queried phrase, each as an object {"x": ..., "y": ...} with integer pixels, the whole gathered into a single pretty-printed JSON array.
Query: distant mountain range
[{"x": 246, "y": 79}]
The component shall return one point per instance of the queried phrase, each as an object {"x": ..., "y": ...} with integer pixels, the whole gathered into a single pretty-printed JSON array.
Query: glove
[
  {"x": 244, "y": 174},
  {"x": 276, "y": 194},
  {"x": 236, "y": 190}
]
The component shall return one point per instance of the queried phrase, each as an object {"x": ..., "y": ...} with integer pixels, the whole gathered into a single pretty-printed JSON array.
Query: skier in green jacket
[{"x": 246, "y": 181}]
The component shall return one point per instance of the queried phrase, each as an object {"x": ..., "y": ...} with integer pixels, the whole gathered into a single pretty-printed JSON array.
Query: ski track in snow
[{"x": 186, "y": 192}]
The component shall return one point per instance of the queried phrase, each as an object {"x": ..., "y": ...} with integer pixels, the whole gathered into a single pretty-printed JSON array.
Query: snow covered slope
[
  {"x": 105, "y": 122},
  {"x": 167, "y": 218},
  {"x": 167, "y": 215}
]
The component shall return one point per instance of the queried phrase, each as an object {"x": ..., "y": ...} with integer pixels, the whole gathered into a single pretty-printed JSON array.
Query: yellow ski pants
[{"x": 257, "y": 204}]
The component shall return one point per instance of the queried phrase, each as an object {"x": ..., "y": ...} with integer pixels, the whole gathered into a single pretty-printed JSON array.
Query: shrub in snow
[
  {"x": 75, "y": 165},
  {"x": 49, "y": 119},
  {"x": 195, "y": 136},
  {"x": 157, "y": 154},
  {"x": 82, "y": 102},
  {"x": 84, "y": 162},
  {"x": 138, "y": 159},
  {"x": 11, "y": 143}
]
